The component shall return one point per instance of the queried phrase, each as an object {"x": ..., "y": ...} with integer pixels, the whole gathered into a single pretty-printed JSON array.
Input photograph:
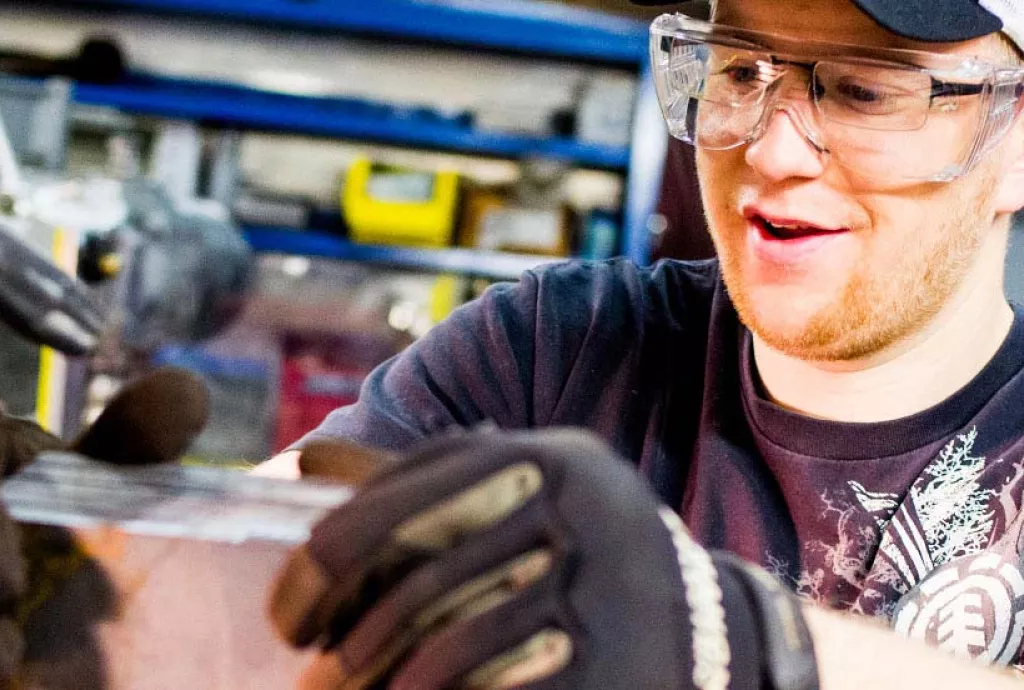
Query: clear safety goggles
[{"x": 885, "y": 115}]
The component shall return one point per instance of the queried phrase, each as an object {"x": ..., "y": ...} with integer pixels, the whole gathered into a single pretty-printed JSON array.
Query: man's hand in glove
[
  {"x": 152, "y": 420},
  {"x": 20, "y": 441},
  {"x": 529, "y": 560}
]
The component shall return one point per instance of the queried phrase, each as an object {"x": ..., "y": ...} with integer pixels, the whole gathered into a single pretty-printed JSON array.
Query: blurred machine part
[
  {"x": 37, "y": 297},
  {"x": 176, "y": 159},
  {"x": 92, "y": 205},
  {"x": 255, "y": 207},
  {"x": 186, "y": 273},
  {"x": 530, "y": 216},
  {"x": 600, "y": 236},
  {"x": 35, "y": 114},
  {"x": 42, "y": 302},
  {"x": 519, "y": 229},
  {"x": 225, "y": 176},
  {"x": 605, "y": 111},
  {"x": 99, "y": 60},
  {"x": 321, "y": 372},
  {"x": 112, "y": 268},
  {"x": 515, "y": 117},
  {"x": 392, "y": 205}
]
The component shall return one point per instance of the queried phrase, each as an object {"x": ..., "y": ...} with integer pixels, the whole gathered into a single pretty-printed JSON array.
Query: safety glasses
[{"x": 884, "y": 114}]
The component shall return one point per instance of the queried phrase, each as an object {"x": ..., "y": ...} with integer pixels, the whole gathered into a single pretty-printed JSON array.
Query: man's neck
[{"x": 909, "y": 377}]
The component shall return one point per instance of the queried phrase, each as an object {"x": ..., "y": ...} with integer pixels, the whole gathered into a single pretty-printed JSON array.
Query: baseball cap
[{"x": 937, "y": 20}]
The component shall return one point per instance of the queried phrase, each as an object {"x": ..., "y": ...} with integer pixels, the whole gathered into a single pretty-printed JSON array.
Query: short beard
[{"x": 878, "y": 308}]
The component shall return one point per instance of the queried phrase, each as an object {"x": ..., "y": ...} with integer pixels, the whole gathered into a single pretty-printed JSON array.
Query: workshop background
[
  {"x": 281, "y": 194},
  {"x": 384, "y": 162}
]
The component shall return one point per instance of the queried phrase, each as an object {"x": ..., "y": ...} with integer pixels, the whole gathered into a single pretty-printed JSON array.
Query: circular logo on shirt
[{"x": 971, "y": 607}]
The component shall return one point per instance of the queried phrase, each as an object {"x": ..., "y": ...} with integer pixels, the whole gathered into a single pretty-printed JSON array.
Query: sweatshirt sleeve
[
  {"x": 572, "y": 344},
  {"x": 475, "y": 366}
]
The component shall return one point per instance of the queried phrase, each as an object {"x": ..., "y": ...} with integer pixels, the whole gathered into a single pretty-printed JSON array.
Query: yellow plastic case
[{"x": 427, "y": 223}]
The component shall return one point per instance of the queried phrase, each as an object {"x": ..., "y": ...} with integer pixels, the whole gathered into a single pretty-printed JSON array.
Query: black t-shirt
[{"x": 915, "y": 520}]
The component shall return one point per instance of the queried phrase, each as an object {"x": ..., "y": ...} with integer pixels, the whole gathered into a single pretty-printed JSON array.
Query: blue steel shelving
[
  {"x": 519, "y": 26},
  {"x": 473, "y": 262},
  {"x": 341, "y": 118},
  {"x": 510, "y": 25}
]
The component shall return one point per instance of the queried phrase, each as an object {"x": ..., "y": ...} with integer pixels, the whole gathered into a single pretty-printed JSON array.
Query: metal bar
[
  {"x": 647, "y": 161},
  {"x": 520, "y": 26},
  {"x": 347, "y": 119},
  {"x": 205, "y": 503},
  {"x": 485, "y": 264}
]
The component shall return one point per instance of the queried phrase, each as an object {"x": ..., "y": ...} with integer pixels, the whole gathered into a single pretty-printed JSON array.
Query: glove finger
[
  {"x": 343, "y": 461},
  {"x": 450, "y": 442},
  {"x": 395, "y": 523},
  {"x": 152, "y": 420},
  {"x": 508, "y": 557},
  {"x": 21, "y": 440},
  {"x": 484, "y": 638},
  {"x": 12, "y": 649},
  {"x": 304, "y": 597},
  {"x": 538, "y": 664},
  {"x": 325, "y": 672},
  {"x": 13, "y": 579},
  {"x": 363, "y": 668}
]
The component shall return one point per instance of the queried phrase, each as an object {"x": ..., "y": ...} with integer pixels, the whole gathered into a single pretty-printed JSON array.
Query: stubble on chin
[{"x": 891, "y": 292}]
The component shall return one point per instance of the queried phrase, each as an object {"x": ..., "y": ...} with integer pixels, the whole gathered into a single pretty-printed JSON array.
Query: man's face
[{"x": 883, "y": 260}]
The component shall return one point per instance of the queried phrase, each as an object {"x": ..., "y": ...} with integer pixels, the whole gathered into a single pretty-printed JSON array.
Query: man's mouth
[{"x": 784, "y": 230}]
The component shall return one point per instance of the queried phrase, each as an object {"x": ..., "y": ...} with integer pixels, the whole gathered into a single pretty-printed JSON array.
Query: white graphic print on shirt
[
  {"x": 946, "y": 516},
  {"x": 831, "y": 566},
  {"x": 971, "y": 607},
  {"x": 932, "y": 562}
]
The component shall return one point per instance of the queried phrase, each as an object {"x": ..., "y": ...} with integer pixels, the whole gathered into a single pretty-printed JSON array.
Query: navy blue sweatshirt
[{"x": 917, "y": 520}]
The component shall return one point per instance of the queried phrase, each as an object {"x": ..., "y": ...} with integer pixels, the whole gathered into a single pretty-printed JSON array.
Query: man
[{"x": 835, "y": 399}]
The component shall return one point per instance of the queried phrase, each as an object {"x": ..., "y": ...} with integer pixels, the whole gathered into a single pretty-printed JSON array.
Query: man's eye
[
  {"x": 860, "y": 93},
  {"x": 742, "y": 74},
  {"x": 866, "y": 97}
]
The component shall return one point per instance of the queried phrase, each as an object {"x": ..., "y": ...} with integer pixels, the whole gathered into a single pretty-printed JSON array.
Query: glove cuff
[
  {"x": 775, "y": 617},
  {"x": 747, "y": 630}
]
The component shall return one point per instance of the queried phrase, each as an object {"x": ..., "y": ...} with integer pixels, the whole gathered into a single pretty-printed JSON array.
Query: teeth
[{"x": 790, "y": 231}]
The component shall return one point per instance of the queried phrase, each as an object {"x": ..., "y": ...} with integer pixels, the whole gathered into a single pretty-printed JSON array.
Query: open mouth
[{"x": 789, "y": 231}]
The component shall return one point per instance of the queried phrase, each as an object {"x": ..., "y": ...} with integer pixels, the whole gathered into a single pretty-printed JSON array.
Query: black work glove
[
  {"x": 42, "y": 302},
  {"x": 152, "y": 420},
  {"x": 20, "y": 441},
  {"x": 12, "y": 589},
  {"x": 535, "y": 561},
  {"x": 345, "y": 462}
]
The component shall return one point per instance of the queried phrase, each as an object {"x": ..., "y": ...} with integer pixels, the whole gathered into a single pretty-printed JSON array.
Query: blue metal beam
[
  {"x": 514, "y": 25},
  {"x": 474, "y": 262},
  {"x": 646, "y": 165},
  {"x": 345, "y": 119},
  {"x": 526, "y": 26}
]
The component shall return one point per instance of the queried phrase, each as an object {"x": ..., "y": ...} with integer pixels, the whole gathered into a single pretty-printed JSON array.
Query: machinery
[{"x": 112, "y": 267}]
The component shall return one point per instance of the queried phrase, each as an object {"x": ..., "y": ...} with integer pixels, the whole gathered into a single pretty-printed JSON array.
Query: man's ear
[{"x": 1010, "y": 196}]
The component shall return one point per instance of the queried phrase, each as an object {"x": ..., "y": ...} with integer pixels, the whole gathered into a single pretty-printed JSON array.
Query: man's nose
[{"x": 786, "y": 147}]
